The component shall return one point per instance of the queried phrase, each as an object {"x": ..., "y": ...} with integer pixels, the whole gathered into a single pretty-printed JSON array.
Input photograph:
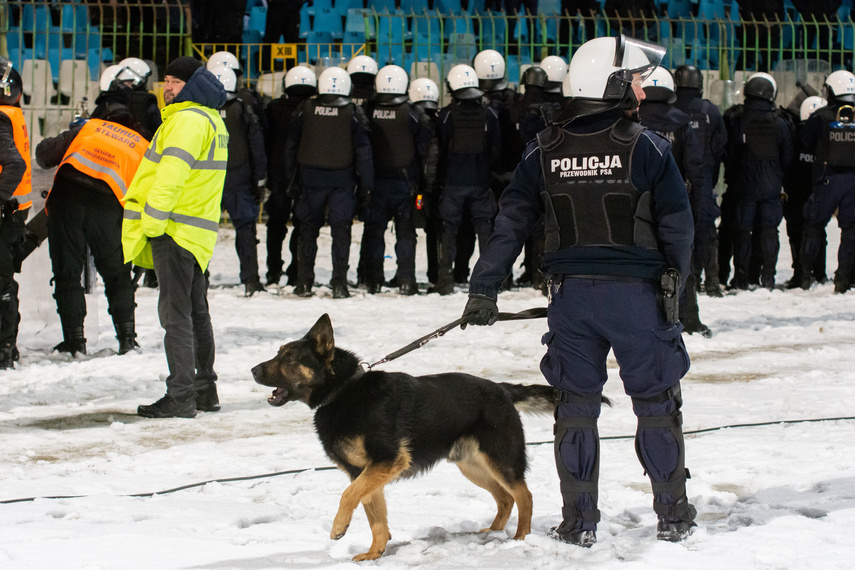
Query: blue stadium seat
[
  {"x": 84, "y": 42},
  {"x": 428, "y": 27},
  {"x": 305, "y": 21},
  {"x": 257, "y": 19},
  {"x": 460, "y": 23},
  {"x": 95, "y": 56},
  {"x": 74, "y": 18},
  {"x": 392, "y": 29},
  {"x": 425, "y": 48},
  {"x": 35, "y": 17},
  {"x": 679, "y": 9},
  {"x": 329, "y": 21},
  {"x": 250, "y": 36},
  {"x": 381, "y": 5},
  {"x": 45, "y": 41},
  {"x": 447, "y": 6},
  {"x": 494, "y": 32},
  {"x": 356, "y": 23},
  {"x": 549, "y": 7},
  {"x": 344, "y": 5},
  {"x": 318, "y": 45},
  {"x": 414, "y": 6},
  {"x": 319, "y": 6}
]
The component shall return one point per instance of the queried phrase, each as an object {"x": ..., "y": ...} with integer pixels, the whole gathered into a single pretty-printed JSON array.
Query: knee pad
[
  {"x": 580, "y": 495},
  {"x": 657, "y": 414}
]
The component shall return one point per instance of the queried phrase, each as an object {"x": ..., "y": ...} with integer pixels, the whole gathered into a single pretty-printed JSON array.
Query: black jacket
[{"x": 13, "y": 164}]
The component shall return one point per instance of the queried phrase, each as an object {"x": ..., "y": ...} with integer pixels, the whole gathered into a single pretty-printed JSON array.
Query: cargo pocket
[
  {"x": 672, "y": 354},
  {"x": 550, "y": 364}
]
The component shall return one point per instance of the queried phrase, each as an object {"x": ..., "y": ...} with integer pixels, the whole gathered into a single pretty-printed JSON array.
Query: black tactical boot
[
  {"x": 73, "y": 341},
  {"x": 253, "y": 287},
  {"x": 126, "y": 336},
  {"x": 676, "y": 529},
  {"x": 169, "y": 407},
  {"x": 303, "y": 289},
  {"x": 567, "y": 532},
  {"x": 408, "y": 289},
  {"x": 7, "y": 357},
  {"x": 339, "y": 289},
  {"x": 273, "y": 277},
  {"x": 207, "y": 399}
]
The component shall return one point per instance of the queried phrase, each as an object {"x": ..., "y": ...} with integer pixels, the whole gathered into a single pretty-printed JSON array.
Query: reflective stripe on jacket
[
  {"x": 107, "y": 151},
  {"x": 23, "y": 193},
  {"x": 178, "y": 187}
]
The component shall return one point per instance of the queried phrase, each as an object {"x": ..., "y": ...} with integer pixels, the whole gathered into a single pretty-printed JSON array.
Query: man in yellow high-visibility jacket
[{"x": 172, "y": 210}]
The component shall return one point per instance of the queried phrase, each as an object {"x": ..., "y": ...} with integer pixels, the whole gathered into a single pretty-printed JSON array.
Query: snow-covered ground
[{"x": 778, "y": 495}]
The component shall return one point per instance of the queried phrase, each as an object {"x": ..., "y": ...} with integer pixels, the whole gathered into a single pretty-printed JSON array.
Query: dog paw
[
  {"x": 338, "y": 530},
  {"x": 367, "y": 556}
]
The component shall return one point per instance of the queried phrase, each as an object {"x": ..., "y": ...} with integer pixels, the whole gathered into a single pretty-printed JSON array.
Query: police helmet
[
  {"x": 424, "y": 91},
  {"x": 659, "y": 86},
  {"x": 11, "y": 86},
  {"x": 689, "y": 77},
  {"x": 133, "y": 70},
  {"x": 300, "y": 81},
  {"x": 811, "y": 104},
  {"x": 362, "y": 69},
  {"x": 566, "y": 88},
  {"x": 840, "y": 87},
  {"x": 463, "y": 83},
  {"x": 534, "y": 77},
  {"x": 490, "y": 68},
  {"x": 334, "y": 87},
  {"x": 108, "y": 77},
  {"x": 761, "y": 86},
  {"x": 227, "y": 77},
  {"x": 555, "y": 68},
  {"x": 603, "y": 71},
  {"x": 223, "y": 59},
  {"x": 390, "y": 85}
]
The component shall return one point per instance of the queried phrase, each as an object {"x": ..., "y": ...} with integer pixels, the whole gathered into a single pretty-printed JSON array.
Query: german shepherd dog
[{"x": 383, "y": 426}]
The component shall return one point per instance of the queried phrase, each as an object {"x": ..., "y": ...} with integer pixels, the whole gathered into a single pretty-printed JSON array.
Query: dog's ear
[{"x": 322, "y": 338}]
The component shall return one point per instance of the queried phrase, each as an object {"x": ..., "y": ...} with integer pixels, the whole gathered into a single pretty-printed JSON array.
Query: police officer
[
  {"x": 759, "y": 151},
  {"x": 830, "y": 134},
  {"x": 658, "y": 113},
  {"x": 247, "y": 95},
  {"x": 362, "y": 70},
  {"x": 556, "y": 69},
  {"x": 97, "y": 162},
  {"x": 617, "y": 217},
  {"x": 15, "y": 200},
  {"x": 299, "y": 84},
  {"x": 470, "y": 142},
  {"x": 400, "y": 135},
  {"x": 424, "y": 96},
  {"x": 706, "y": 121},
  {"x": 798, "y": 185},
  {"x": 124, "y": 85},
  {"x": 328, "y": 174},
  {"x": 246, "y": 177}
]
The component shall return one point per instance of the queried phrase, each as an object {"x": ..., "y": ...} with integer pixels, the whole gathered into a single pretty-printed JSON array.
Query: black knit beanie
[{"x": 183, "y": 68}]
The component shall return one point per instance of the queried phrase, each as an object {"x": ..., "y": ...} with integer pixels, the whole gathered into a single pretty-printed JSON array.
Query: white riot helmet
[
  {"x": 490, "y": 68},
  {"x": 761, "y": 86},
  {"x": 423, "y": 90},
  {"x": 364, "y": 67},
  {"x": 108, "y": 76},
  {"x": 603, "y": 70},
  {"x": 463, "y": 82},
  {"x": 566, "y": 88},
  {"x": 659, "y": 86},
  {"x": 555, "y": 68},
  {"x": 840, "y": 87},
  {"x": 334, "y": 81},
  {"x": 390, "y": 85},
  {"x": 134, "y": 70},
  {"x": 300, "y": 81},
  {"x": 223, "y": 59},
  {"x": 811, "y": 104},
  {"x": 227, "y": 77}
]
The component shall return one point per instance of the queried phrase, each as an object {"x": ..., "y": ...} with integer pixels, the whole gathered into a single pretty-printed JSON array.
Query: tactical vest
[
  {"x": 837, "y": 144},
  {"x": 589, "y": 198},
  {"x": 699, "y": 120},
  {"x": 233, "y": 117},
  {"x": 109, "y": 152},
  {"x": 760, "y": 136},
  {"x": 391, "y": 140},
  {"x": 326, "y": 141},
  {"x": 139, "y": 104},
  {"x": 470, "y": 128}
]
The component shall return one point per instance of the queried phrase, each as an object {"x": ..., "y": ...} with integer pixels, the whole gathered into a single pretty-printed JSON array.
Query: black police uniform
[
  {"x": 617, "y": 216},
  {"x": 469, "y": 142},
  {"x": 328, "y": 175},
  {"x": 833, "y": 143},
  {"x": 759, "y": 151},
  {"x": 141, "y": 104},
  {"x": 280, "y": 113},
  {"x": 400, "y": 135},
  {"x": 707, "y": 122},
  {"x": 245, "y": 170}
]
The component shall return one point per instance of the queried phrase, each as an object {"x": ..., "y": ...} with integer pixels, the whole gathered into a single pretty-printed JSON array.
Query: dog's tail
[{"x": 536, "y": 399}]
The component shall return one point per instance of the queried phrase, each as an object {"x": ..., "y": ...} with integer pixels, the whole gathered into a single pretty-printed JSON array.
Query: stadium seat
[
  {"x": 305, "y": 21},
  {"x": 447, "y": 6},
  {"x": 43, "y": 42},
  {"x": 35, "y": 17},
  {"x": 56, "y": 56},
  {"x": 329, "y": 21},
  {"x": 74, "y": 18},
  {"x": 549, "y": 7},
  {"x": 414, "y": 6},
  {"x": 319, "y": 6},
  {"x": 356, "y": 23},
  {"x": 382, "y": 5},
  {"x": 95, "y": 56},
  {"x": 426, "y": 48},
  {"x": 74, "y": 78},
  {"x": 463, "y": 46},
  {"x": 37, "y": 82},
  {"x": 318, "y": 45},
  {"x": 344, "y": 6},
  {"x": 494, "y": 30},
  {"x": 257, "y": 19},
  {"x": 679, "y": 9},
  {"x": 459, "y": 23}
]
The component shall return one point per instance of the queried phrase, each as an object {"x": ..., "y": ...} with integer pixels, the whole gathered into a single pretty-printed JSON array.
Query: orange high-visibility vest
[
  {"x": 23, "y": 193},
  {"x": 107, "y": 151}
]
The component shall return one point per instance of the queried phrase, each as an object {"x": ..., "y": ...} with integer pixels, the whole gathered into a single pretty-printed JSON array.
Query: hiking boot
[
  {"x": 674, "y": 531},
  {"x": 250, "y": 288},
  {"x": 303, "y": 289},
  {"x": 169, "y": 407},
  {"x": 339, "y": 291},
  {"x": 207, "y": 399},
  {"x": 73, "y": 341},
  {"x": 408, "y": 289},
  {"x": 567, "y": 532}
]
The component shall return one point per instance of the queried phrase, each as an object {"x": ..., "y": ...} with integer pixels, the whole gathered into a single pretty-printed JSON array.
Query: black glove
[
  {"x": 258, "y": 194},
  {"x": 480, "y": 310}
]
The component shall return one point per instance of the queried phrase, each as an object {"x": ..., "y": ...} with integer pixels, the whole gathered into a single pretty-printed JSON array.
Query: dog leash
[{"x": 533, "y": 313}]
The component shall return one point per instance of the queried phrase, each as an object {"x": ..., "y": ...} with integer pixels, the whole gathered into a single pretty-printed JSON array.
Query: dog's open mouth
[{"x": 278, "y": 397}]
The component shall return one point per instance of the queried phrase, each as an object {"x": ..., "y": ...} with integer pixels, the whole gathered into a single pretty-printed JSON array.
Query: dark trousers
[
  {"x": 310, "y": 209},
  {"x": 456, "y": 204},
  {"x": 239, "y": 202},
  {"x": 391, "y": 199},
  {"x": 759, "y": 216},
  {"x": 278, "y": 208},
  {"x": 11, "y": 238},
  {"x": 79, "y": 217},
  {"x": 183, "y": 310},
  {"x": 838, "y": 194}
]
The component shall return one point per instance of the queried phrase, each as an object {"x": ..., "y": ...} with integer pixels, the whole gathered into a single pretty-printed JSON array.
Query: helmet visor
[{"x": 637, "y": 58}]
